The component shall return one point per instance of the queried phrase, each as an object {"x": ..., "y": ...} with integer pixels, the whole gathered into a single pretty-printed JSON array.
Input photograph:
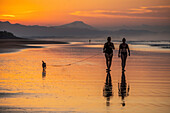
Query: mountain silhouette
[
  {"x": 77, "y": 24},
  {"x": 74, "y": 29}
]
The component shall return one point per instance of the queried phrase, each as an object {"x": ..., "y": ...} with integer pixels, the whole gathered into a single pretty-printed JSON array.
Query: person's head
[
  {"x": 124, "y": 40},
  {"x": 108, "y": 39}
]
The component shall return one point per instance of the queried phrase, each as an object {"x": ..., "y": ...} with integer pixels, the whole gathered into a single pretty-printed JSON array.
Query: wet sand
[
  {"x": 12, "y": 45},
  {"x": 82, "y": 87}
]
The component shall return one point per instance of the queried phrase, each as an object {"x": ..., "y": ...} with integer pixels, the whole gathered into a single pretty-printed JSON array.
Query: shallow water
[{"x": 79, "y": 87}]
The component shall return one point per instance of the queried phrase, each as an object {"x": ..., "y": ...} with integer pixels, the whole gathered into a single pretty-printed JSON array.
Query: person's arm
[
  {"x": 128, "y": 49},
  {"x": 119, "y": 51},
  {"x": 104, "y": 48},
  {"x": 113, "y": 46}
]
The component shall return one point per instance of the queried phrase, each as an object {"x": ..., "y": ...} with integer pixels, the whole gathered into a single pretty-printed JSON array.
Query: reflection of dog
[{"x": 43, "y": 65}]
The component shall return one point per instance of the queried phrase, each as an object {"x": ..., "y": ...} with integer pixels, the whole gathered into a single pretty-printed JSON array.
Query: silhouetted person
[
  {"x": 123, "y": 51},
  {"x": 107, "y": 90},
  {"x": 108, "y": 50},
  {"x": 43, "y": 65},
  {"x": 44, "y": 69},
  {"x": 123, "y": 90}
]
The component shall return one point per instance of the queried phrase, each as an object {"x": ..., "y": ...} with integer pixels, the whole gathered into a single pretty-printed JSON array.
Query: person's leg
[
  {"x": 107, "y": 58},
  {"x": 125, "y": 57},
  {"x": 110, "y": 60},
  {"x": 123, "y": 61}
]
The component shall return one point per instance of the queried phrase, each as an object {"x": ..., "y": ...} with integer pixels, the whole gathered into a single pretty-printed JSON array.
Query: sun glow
[{"x": 8, "y": 15}]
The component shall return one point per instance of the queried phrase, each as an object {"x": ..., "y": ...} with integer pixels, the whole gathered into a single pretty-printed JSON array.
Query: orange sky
[{"x": 93, "y": 12}]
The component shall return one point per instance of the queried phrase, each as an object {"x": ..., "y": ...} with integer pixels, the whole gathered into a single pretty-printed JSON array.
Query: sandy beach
[
  {"x": 69, "y": 56},
  {"x": 81, "y": 87}
]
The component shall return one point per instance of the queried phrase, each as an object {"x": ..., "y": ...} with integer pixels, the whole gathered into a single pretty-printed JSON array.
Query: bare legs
[
  {"x": 108, "y": 79},
  {"x": 108, "y": 60},
  {"x": 123, "y": 58}
]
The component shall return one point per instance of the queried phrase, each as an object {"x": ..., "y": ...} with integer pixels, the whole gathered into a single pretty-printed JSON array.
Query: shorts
[
  {"x": 124, "y": 53},
  {"x": 109, "y": 53}
]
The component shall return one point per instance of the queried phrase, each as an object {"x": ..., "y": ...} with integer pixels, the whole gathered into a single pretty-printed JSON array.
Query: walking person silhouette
[
  {"x": 43, "y": 65},
  {"x": 108, "y": 50},
  {"x": 123, "y": 53}
]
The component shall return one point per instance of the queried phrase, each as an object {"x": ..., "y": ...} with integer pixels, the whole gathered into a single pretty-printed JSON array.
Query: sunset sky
[{"x": 93, "y": 12}]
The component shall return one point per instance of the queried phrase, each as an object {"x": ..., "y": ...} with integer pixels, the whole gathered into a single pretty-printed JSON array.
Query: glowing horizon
[{"x": 96, "y": 12}]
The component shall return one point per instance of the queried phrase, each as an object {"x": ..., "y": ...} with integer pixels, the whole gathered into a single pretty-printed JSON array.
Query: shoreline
[{"x": 15, "y": 45}]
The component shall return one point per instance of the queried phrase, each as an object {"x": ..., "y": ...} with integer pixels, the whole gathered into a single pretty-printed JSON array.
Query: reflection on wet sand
[
  {"x": 107, "y": 90},
  {"x": 123, "y": 88},
  {"x": 44, "y": 73},
  {"x": 79, "y": 88}
]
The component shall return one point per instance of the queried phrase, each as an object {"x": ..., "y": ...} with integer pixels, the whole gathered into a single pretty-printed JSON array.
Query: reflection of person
[
  {"x": 107, "y": 90},
  {"x": 123, "y": 51},
  {"x": 108, "y": 50},
  {"x": 43, "y": 73},
  {"x": 123, "y": 89}
]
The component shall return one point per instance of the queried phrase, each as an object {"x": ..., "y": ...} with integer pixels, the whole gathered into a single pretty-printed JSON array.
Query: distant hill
[
  {"x": 132, "y": 32},
  {"x": 74, "y": 29},
  {"x": 153, "y": 28},
  {"x": 7, "y": 35},
  {"x": 77, "y": 24}
]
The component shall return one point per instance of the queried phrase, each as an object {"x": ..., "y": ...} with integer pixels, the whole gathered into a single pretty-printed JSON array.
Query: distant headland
[
  {"x": 7, "y": 35},
  {"x": 11, "y": 43}
]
